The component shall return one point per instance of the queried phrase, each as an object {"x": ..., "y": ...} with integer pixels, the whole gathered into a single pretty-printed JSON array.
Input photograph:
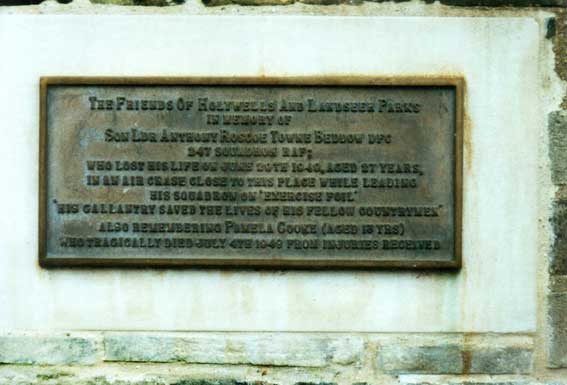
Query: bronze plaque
[{"x": 314, "y": 173}]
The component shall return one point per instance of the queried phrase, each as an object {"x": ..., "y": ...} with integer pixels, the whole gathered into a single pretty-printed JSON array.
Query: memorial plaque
[{"x": 315, "y": 173}]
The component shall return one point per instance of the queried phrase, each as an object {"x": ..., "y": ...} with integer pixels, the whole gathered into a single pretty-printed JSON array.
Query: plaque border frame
[{"x": 457, "y": 82}]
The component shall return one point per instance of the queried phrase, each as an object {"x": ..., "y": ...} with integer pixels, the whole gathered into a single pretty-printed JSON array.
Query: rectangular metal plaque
[{"x": 319, "y": 173}]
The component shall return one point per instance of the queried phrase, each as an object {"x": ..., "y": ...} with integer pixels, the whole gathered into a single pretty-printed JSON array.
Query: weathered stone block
[
  {"x": 500, "y": 360},
  {"x": 557, "y": 355},
  {"x": 149, "y": 3},
  {"x": 259, "y": 349},
  {"x": 558, "y": 283},
  {"x": 62, "y": 378},
  {"x": 558, "y": 263},
  {"x": 557, "y": 126},
  {"x": 455, "y": 357},
  {"x": 49, "y": 350},
  {"x": 475, "y": 381},
  {"x": 247, "y": 2},
  {"x": 218, "y": 382},
  {"x": 518, "y": 382},
  {"x": 140, "y": 348},
  {"x": 317, "y": 383},
  {"x": 462, "y": 3},
  {"x": 505, "y": 3},
  {"x": 440, "y": 359}
]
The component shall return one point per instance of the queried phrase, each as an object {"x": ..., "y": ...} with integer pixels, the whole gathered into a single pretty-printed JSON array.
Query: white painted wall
[{"x": 495, "y": 290}]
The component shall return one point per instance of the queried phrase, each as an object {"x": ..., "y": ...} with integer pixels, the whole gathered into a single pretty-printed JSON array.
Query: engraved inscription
[{"x": 260, "y": 175}]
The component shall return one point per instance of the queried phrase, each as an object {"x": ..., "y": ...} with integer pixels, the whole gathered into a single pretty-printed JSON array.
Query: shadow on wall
[
  {"x": 20, "y": 2},
  {"x": 28, "y": 2}
]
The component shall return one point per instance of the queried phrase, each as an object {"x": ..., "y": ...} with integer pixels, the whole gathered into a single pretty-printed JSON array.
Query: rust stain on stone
[{"x": 466, "y": 355}]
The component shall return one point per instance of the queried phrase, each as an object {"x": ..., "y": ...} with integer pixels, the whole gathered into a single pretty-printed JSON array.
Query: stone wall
[
  {"x": 271, "y": 358},
  {"x": 66, "y": 357}
]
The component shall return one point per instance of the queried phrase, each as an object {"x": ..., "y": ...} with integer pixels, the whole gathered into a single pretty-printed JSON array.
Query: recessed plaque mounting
[{"x": 268, "y": 172}]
